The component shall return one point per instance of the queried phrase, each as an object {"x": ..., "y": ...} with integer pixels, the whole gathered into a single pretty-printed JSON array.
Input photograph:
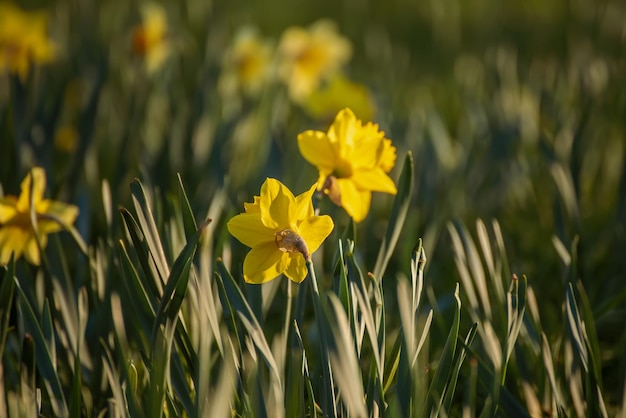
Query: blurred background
[{"x": 514, "y": 111}]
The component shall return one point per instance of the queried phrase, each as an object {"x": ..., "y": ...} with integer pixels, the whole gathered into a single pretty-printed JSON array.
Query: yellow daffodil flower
[
  {"x": 150, "y": 38},
  {"x": 23, "y": 40},
  {"x": 17, "y": 234},
  {"x": 311, "y": 56},
  {"x": 282, "y": 231},
  {"x": 247, "y": 64},
  {"x": 337, "y": 94},
  {"x": 353, "y": 160}
]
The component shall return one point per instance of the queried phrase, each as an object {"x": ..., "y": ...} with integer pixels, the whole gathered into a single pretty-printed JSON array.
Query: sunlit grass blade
[
  {"x": 153, "y": 281},
  {"x": 126, "y": 402},
  {"x": 256, "y": 334},
  {"x": 341, "y": 281},
  {"x": 406, "y": 373},
  {"x": 441, "y": 378},
  {"x": 189, "y": 221},
  {"x": 77, "y": 381},
  {"x": 578, "y": 331},
  {"x": 7, "y": 291},
  {"x": 361, "y": 292},
  {"x": 344, "y": 361},
  {"x": 45, "y": 362},
  {"x": 590, "y": 331},
  {"x": 149, "y": 228},
  {"x": 549, "y": 365},
  {"x": 396, "y": 218},
  {"x": 142, "y": 307},
  {"x": 490, "y": 383},
  {"x": 516, "y": 302},
  {"x": 159, "y": 368},
  {"x": 296, "y": 374},
  {"x": 177, "y": 282},
  {"x": 229, "y": 306},
  {"x": 328, "y": 398},
  {"x": 456, "y": 369},
  {"x": 392, "y": 364},
  {"x": 221, "y": 403}
]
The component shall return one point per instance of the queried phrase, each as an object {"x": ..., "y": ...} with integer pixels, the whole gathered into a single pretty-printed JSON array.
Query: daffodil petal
[
  {"x": 304, "y": 204},
  {"x": 254, "y": 207},
  {"x": 315, "y": 230},
  {"x": 264, "y": 262},
  {"x": 61, "y": 214},
  {"x": 343, "y": 130},
  {"x": 375, "y": 180},
  {"x": 355, "y": 201},
  {"x": 38, "y": 176},
  {"x": 277, "y": 204},
  {"x": 316, "y": 148},
  {"x": 12, "y": 240},
  {"x": 7, "y": 208},
  {"x": 248, "y": 228},
  {"x": 296, "y": 270},
  {"x": 366, "y": 146},
  {"x": 387, "y": 157},
  {"x": 31, "y": 249}
]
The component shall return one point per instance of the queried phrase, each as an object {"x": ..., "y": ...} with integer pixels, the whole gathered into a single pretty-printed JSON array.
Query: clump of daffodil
[
  {"x": 307, "y": 57},
  {"x": 282, "y": 232},
  {"x": 353, "y": 161},
  {"x": 246, "y": 64},
  {"x": 150, "y": 39},
  {"x": 23, "y": 40},
  {"x": 18, "y": 235},
  {"x": 338, "y": 94}
]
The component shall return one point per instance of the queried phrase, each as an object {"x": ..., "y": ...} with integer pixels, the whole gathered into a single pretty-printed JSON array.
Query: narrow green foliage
[
  {"x": 460, "y": 355},
  {"x": 578, "y": 332},
  {"x": 397, "y": 216},
  {"x": 7, "y": 291},
  {"x": 328, "y": 398},
  {"x": 344, "y": 360},
  {"x": 189, "y": 221},
  {"x": 441, "y": 378},
  {"x": 149, "y": 228},
  {"x": 43, "y": 356},
  {"x": 177, "y": 282}
]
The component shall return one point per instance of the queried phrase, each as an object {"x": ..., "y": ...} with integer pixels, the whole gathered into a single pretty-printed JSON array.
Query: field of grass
[{"x": 490, "y": 282}]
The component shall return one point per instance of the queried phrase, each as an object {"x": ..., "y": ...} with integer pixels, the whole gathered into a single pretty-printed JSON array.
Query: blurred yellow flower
[
  {"x": 150, "y": 38},
  {"x": 353, "y": 160},
  {"x": 66, "y": 139},
  {"x": 338, "y": 94},
  {"x": 17, "y": 233},
  {"x": 310, "y": 56},
  {"x": 23, "y": 40},
  {"x": 282, "y": 231},
  {"x": 246, "y": 64}
]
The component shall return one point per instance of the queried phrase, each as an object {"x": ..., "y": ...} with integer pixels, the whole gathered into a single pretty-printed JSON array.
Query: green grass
[{"x": 492, "y": 284}]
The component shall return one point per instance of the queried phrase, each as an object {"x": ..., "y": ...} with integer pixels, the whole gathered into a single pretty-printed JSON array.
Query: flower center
[
  {"x": 343, "y": 169},
  {"x": 20, "y": 220},
  {"x": 332, "y": 190},
  {"x": 290, "y": 242}
]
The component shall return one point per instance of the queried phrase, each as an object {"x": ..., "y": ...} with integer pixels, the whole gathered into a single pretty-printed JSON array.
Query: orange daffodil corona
[
  {"x": 282, "y": 232},
  {"x": 353, "y": 160},
  {"x": 17, "y": 235},
  {"x": 150, "y": 38}
]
